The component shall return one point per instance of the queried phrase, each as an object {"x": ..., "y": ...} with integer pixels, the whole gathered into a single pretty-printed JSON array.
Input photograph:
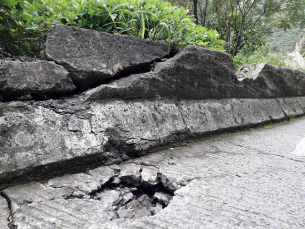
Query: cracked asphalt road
[{"x": 251, "y": 179}]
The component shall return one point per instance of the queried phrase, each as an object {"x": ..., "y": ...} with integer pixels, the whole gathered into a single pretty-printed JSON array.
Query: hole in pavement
[
  {"x": 119, "y": 192},
  {"x": 133, "y": 198}
]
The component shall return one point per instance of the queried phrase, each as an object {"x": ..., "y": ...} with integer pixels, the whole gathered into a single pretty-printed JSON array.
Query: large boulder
[
  {"x": 198, "y": 73},
  {"x": 93, "y": 57},
  {"x": 268, "y": 81},
  {"x": 194, "y": 73},
  {"x": 24, "y": 80}
]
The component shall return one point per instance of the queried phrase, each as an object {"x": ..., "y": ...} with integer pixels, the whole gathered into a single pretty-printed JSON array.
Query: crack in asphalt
[
  {"x": 265, "y": 153},
  {"x": 9, "y": 205}
]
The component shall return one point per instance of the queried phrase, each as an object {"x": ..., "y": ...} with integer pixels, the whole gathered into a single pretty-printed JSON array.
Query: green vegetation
[
  {"x": 261, "y": 55},
  {"x": 245, "y": 24},
  {"x": 244, "y": 27},
  {"x": 285, "y": 41},
  {"x": 25, "y": 24}
]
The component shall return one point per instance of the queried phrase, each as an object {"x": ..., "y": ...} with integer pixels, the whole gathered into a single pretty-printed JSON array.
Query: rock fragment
[
  {"x": 126, "y": 197},
  {"x": 130, "y": 174},
  {"x": 136, "y": 208},
  {"x": 268, "y": 81},
  {"x": 116, "y": 181},
  {"x": 93, "y": 57},
  {"x": 37, "y": 79},
  {"x": 162, "y": 198},
  {"x": 149, "y": 176},
  {"x": 157, "y": 209}
]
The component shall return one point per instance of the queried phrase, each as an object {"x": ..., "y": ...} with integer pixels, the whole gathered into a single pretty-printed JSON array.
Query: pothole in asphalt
[
  {"x": 115, "y": 192},
  {"x": 134, "y": 202},
  {"x": 134, "y": 194}
]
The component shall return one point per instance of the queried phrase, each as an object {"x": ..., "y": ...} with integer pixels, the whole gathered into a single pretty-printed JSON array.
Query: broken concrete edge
[
  {"x": 289, "y": 109},
  {"x": 136, "y": 181}
]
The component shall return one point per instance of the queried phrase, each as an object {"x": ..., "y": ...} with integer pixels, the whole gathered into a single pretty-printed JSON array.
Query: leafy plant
[
  {"x": 23, "y": 26},
  {"x": 262, "y": 55},
  {"x": 150, "y": 19},
  {"x": 244, "y": 24}
]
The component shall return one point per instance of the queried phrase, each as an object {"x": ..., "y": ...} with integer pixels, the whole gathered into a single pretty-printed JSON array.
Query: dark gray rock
[
  {"x": 194, "y": 73},
  {"x": 93, "y": 57},
  {"x": 198, "y": 73},
  {"x": 268, "y": 81},
  {"x": 42, "y": 79}
]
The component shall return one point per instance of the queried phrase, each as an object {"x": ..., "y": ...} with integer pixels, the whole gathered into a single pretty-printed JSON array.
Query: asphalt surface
[{"x": 251, "y": 179}]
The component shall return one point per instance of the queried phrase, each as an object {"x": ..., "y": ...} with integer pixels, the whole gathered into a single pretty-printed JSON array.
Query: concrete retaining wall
[{"x": 192, "y": 94}]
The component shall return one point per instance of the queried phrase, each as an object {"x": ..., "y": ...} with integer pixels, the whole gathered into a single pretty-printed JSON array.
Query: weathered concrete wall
[
  {"x": 191, "y": 94},
  {"x": 44, "y": 138}
]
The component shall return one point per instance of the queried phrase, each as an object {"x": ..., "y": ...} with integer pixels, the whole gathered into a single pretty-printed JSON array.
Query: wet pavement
[{"x": 250, "y": 179}]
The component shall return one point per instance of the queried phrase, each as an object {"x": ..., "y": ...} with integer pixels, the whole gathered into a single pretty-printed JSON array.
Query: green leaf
[{"x": 26, "y": 16}]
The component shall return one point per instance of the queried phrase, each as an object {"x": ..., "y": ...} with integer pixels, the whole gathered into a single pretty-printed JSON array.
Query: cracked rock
[
  {"x": 194, "y": 73},
  {"x": 136, "y": 208},
  {"x": 162, "y": 198},
  {"x": 81, "y": 183},
  {"x": 149, "y": 176},
  {"x": 126, "y": 197},
  {"x": 130, "y": 174},
  {"x": 93, "y": 57},
  {"x": 72, "y": 182},
  {"x": 198, "y": 73},
  {"x": 38, "y": 79},
  {"x": 108, "y": 197},
  {"x": 78, "y": 200},
  {"x": 270, "y": 81}
]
